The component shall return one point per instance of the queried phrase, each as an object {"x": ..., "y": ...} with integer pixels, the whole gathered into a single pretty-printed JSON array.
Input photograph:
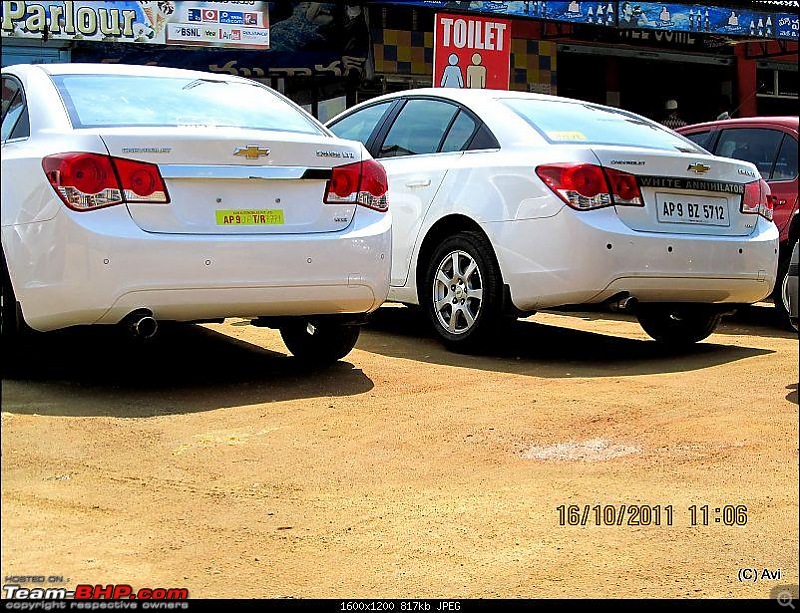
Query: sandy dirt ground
[{"x": 209, "y": 460}]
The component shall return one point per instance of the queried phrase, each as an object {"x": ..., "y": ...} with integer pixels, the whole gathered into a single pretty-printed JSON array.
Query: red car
[{"x": 771, "y": 144}]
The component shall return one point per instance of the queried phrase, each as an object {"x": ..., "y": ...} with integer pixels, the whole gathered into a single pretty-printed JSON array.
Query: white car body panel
[
  {"x": 414, "y": 184},
  {"x": 550, "y": 254},
  {"x": 83, "y": 267}
]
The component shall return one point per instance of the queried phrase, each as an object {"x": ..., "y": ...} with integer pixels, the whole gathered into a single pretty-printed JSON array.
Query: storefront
[
  {"x": 636, "y": 56},
  {"x": 640, "y": 70},
  {"x": 328, "y": 56},
  {"x": 314, "y": 52}
]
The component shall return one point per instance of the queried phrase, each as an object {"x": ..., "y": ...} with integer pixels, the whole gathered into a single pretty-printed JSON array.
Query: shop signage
[
  {"x": 471, "y": 52},
  {"x": 724, "y": 21},
  {"x": 596, "y": 13},
  {"x": 325, "y": 39},
  {"x": 206, "y": 24}
]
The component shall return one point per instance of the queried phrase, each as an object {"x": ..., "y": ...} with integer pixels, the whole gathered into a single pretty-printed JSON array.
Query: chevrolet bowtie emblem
[
  {"x": 251, "y": 152},
  {"x": 699, "y": 168}
]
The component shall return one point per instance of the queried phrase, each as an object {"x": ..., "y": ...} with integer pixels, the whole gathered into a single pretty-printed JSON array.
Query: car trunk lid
[
  {"x": 683, "y": 192},
  {"x": 237, "y": 181}
]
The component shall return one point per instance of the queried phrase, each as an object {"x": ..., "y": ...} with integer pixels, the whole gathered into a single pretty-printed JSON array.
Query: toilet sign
[{"x": 471, "y": 52}]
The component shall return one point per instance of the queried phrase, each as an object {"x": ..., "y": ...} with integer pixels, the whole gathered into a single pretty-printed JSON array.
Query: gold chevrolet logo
[
  {"x": 251, "y": 152},
  {"x": 699, "y": 168}
]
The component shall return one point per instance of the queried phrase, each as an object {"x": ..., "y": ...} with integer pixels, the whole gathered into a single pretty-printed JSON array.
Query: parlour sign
[
  {"x": 207, "y": 24},
  {"x": 471, "y": 51}
]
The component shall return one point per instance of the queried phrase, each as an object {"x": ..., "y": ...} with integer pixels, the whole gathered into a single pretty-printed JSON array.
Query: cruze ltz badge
[
  {"x": 322, "y": 153},
  {"x": 251, "y": 152},
  {"x": 699, "y": 168}
]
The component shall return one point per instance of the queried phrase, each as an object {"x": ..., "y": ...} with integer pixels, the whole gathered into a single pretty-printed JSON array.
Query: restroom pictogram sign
[{"x": 471, "y": 52}]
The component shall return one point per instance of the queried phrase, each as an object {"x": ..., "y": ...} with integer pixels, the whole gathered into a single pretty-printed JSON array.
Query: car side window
[
  {"x": 786, "y": 164},
  {"x": 702, "y": 139},
  {"x": 756, "y": 145},
  {"x": 418, "y": 129},
  {"x": 483, "y": 139},
  {"x": 360, "y": 125},
  {"x": 14, "y": 111},
  {"x": 460, "y": 133}
]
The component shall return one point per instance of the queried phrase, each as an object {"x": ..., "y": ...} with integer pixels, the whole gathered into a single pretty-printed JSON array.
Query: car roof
[
  {"x": 119, "y": 69},
  {"x": 786, "y": 121},
  {"x": 470, "y": 95}
]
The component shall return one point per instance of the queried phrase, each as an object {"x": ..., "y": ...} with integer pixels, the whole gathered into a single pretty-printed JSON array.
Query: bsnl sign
[{"x": 471, "y": 52}]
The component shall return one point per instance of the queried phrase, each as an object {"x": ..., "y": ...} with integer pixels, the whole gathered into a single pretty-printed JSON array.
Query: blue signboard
[
  {"x": 788, "y": 26},
  {"x": 723, "y": 21},
  {"x": 701, "y": 18},
  {"x": 596, "y": 13}
]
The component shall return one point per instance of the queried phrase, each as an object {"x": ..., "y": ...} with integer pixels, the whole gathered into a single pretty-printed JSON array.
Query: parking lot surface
[{"x": 211, "y": 460}]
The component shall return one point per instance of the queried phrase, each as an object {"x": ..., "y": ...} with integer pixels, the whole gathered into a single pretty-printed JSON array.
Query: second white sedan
[{"x": 504, "y": 203}]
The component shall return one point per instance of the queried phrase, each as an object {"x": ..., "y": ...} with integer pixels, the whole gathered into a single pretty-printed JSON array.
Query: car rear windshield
[
  {"x": 103, "y": 101},
  {"x": 573, "y": 122}
]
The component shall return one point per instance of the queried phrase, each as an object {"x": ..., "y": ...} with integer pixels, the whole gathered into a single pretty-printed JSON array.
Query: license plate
[
  {"x": 250, "y": 217},
  {"x": 700, "y": 210}
]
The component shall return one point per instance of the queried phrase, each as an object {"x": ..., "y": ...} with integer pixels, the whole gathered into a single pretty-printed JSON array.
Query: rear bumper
[
  {"x": 588, "y": 257},
  {"x": 84, "y": 268}
]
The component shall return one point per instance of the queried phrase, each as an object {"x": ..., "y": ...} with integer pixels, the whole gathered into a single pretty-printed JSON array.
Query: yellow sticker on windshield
[
  {"x": 250, "y": 217},
  {"x": 566, "y": 135}
]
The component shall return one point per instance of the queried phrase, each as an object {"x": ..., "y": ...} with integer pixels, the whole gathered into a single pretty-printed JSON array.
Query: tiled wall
[{"x": 533, "y": 63}]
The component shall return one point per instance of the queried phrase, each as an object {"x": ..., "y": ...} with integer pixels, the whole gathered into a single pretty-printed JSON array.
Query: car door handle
[
  {"x": 780, "y": 202},
  {"x": 418, "y": 183}
]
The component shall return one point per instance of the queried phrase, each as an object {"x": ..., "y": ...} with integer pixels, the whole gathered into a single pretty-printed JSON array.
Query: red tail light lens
[
  {"x": 89, "y": 181},
  {"x": 141, "y": 181},
  {"x": 758, "y": 199},
  {"x": 624, "y": 188},
  {"x": 363, "y": 183},
  {"x": 343, "y": 184},
  {"x": 83, "y": 181},
  {"x": 587, "y": 186}
]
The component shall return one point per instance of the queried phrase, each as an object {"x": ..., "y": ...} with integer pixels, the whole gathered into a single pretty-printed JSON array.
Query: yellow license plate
[{"x": 250, "y": 217}]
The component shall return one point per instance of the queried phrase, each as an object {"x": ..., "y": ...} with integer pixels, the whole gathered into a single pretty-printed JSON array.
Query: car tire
[
  {"x": 319, "y": 343},
  {"x": 780, "y": 296},
  {"x": 12, "y": 323},
  {"x": 466, "y": 310},
  {"x": 678, "y": 325}
]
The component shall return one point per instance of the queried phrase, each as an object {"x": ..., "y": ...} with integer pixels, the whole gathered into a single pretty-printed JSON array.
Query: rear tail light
[
  {"x": 89, "y": 181},
  {"x": 587, "y": 186},
  {"x": 758, "y": 199},
  {"x": 361, "y": 183},
  {"x": 624, "y": 188},
  {"x": 141, "y": 182},
  {"x": 84, "y": 181}
]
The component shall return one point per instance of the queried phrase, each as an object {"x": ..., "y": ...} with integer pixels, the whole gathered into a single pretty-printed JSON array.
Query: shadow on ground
[
  {"x": 759, "y": 320},
  {"x": 792, "y": 395},
  {"x": 531, "y": 348},
  {"x": 186, "y": 369}
]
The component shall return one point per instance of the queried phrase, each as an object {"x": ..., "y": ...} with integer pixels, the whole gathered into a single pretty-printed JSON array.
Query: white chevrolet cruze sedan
[
  {"x": 504, "y": 203},
  {"x": 138, "y": 194}
]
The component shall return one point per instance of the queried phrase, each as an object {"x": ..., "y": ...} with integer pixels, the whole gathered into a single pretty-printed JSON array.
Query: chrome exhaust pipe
[
  {"x": 625, "y": 305},
  {"x": 142, "y": 325}
]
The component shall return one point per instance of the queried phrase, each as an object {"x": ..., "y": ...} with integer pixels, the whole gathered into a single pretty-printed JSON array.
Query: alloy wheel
[{"x": 457, "y": 292}]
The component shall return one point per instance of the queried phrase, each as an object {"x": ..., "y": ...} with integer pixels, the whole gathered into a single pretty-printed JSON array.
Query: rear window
[
  {"x": 572, "y": 122},
  {"x": 701, "y": 139},
  {"x": 103, "y": 101}
]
